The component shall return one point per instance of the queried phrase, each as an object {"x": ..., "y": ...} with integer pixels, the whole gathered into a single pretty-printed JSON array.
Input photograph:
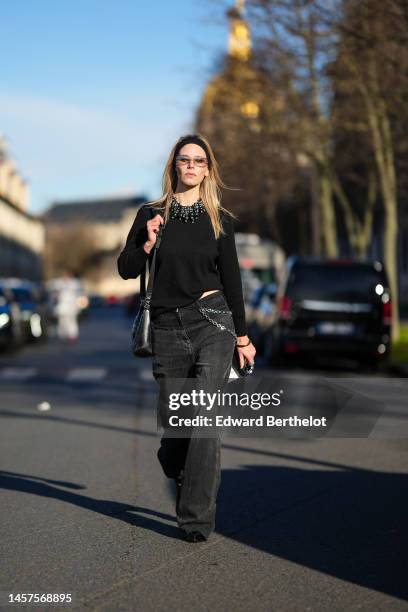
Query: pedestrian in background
[
  {"x": 197, "y": 310},
  {"x": 67, "y": 308}
]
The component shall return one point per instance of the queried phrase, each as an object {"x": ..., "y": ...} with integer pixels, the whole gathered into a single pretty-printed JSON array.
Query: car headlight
[{"x": 4, "y": 319}]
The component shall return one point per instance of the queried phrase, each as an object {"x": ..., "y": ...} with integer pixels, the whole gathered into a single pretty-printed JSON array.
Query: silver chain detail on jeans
[{"x": 220, "y": 325}]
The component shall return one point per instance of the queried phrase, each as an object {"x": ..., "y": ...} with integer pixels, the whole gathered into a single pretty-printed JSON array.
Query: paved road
[{"x": 301, "y": 524}]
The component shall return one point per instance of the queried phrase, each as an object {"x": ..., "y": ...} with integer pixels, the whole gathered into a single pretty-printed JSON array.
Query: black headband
[{"x": 193, "y": 140}]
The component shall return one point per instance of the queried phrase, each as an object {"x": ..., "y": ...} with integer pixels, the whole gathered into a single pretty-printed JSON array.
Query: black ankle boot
[{"x": 195, "y": 536}]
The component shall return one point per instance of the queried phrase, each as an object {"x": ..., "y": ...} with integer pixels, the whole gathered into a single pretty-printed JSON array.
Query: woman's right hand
[{"x": 152, "y": 227}]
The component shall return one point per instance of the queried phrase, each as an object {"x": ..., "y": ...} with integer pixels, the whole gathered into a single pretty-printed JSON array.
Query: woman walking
[{"x": 197, "y": 310}]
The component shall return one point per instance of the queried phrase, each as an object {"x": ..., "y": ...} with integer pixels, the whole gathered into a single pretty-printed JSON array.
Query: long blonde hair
[{"x": 210, "y": 188}]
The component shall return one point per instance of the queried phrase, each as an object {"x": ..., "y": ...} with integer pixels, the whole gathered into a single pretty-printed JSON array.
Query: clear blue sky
[{"x": 93, "y": 93}]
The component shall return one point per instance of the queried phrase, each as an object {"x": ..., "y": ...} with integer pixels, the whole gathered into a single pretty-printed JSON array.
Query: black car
[
  {"x": 27, "y": 296},
  {"x": 11, "y": 321},
  {"x": 333, "y": 307}
]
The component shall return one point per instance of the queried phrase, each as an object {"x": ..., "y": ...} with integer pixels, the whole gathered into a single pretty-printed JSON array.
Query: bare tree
[
  {"x": 372, "y": 61},
  {"x": 293, "y": 41},
  {"x": 366, "y": 41}
]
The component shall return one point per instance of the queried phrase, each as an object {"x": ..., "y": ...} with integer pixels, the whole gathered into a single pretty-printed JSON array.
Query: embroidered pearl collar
[{"x": 187, "y": 214}]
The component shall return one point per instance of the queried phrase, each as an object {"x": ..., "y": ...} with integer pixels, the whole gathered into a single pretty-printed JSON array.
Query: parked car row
[
  {"x": 24, "y": 312},
  {"x": 324, "y": 307},
  {"x": 28, "y": 310}
]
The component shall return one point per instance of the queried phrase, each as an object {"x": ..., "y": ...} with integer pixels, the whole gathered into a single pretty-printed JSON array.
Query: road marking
[
  {"x": 85, "y": 374},
  {"x": 17, "y": 373},
  {"x": 90, "y": 374}
]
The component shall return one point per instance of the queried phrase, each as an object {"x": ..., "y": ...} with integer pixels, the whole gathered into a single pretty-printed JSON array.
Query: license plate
[{"x": 329, "y": 327}]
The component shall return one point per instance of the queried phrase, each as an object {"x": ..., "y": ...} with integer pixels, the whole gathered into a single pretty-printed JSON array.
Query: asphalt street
[{"x": 302, "y": 524}]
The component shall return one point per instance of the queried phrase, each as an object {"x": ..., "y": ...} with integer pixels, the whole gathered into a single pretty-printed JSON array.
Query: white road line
[
  {"x": 84, "y": 374},
  {"x": 17, "y": 373}
]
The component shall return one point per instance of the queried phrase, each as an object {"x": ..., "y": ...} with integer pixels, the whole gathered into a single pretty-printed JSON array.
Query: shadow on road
[
  {"x": 35, "y": 485},
  {"x": 345, "y": 522}
]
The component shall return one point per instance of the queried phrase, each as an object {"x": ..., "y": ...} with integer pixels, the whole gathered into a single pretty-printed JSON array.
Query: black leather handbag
[{"x": 141, "y": 328}]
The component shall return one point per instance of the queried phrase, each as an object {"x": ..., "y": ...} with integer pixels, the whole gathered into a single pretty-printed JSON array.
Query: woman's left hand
[{"x": 247, "y": 352}]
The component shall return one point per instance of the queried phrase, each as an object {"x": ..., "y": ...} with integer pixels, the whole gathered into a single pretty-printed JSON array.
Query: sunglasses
[{"x": 183, "y": 160}]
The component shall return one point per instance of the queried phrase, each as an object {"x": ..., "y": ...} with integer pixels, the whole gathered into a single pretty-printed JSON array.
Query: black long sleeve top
[{"x": 189, "y": 261}]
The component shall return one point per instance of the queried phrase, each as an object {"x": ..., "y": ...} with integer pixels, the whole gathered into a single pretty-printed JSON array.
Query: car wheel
[{"x": 373, "y": 364}]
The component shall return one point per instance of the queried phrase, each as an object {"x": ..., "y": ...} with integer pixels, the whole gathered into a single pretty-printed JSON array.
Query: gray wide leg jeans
[{"x": 186, "y": 345}]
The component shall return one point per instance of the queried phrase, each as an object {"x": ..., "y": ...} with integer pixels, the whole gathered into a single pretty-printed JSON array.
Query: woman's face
[{"x": 191, "y": 168}]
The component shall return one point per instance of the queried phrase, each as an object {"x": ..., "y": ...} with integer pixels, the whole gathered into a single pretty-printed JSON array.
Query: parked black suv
[{"x": 333, "y": 306}]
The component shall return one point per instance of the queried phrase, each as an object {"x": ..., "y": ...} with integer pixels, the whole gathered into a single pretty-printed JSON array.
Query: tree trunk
[
  {"x": 328, "y": 224},
  {"x": 384, "y": 155}
]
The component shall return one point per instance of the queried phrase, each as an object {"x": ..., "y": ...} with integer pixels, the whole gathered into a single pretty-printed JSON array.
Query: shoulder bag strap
[{"x": 146, "y": 296}]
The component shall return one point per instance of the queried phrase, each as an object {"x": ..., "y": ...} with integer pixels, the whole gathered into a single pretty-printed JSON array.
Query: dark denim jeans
[{"x": 186, "y": 345}]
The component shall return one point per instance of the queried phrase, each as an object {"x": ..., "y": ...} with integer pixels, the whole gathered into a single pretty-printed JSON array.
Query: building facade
[{"x": 21, "y": 233}]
